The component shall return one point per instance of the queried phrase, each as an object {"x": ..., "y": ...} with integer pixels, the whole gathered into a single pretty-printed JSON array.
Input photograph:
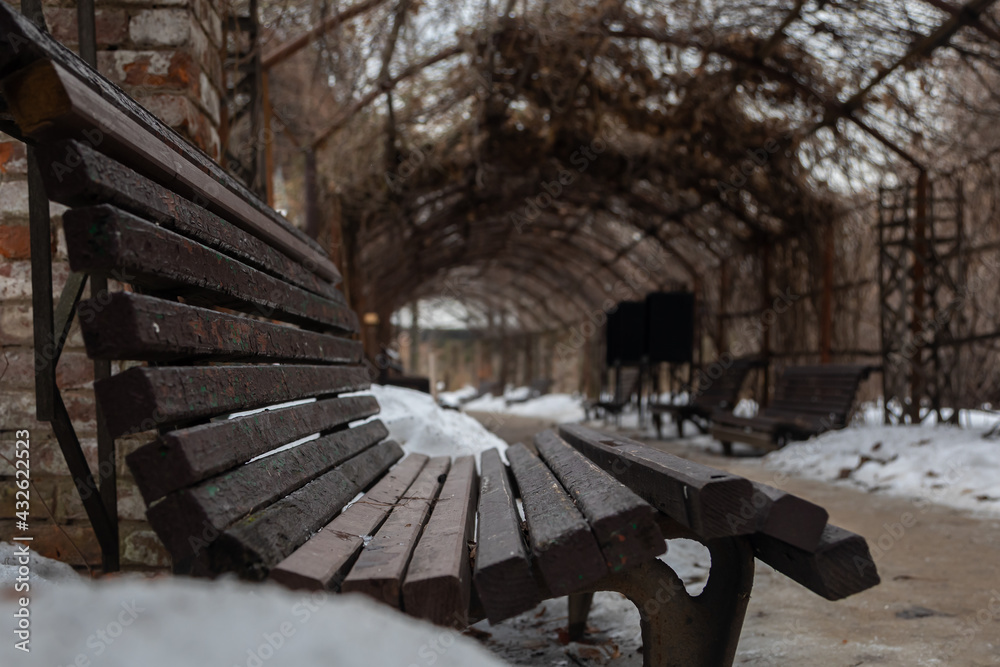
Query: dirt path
[{"x": 938, "y": 603}]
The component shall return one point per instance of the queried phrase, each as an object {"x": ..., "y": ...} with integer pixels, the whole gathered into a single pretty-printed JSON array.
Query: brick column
[{"x": 165, "y": 54}]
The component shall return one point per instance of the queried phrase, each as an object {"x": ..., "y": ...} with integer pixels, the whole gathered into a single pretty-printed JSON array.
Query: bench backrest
[
  {"x": 627, "y": 379},
  {"x": 228, "y": 309},
  {"x": 722, "y": 392},
  {"x": 820, "y": 396}
]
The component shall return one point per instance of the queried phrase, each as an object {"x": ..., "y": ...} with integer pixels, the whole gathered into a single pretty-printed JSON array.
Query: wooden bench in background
[
  {"x": 233, "y": 310},
  {"x": 628, "y": 384},
  {"x": 718, "y": 393},
  {"x": 808, "y": 400}
]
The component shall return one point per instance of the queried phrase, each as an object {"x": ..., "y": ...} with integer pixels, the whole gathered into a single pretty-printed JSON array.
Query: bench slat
[
  {"x": 103, "y": 239},
  {"x": 143, "y": 398},
  {"x": 502, "y": 574},
  {"x": 438, "y": 584},
  {"x": 567, "y": 554},
  {"x": 381, "y": 567},
  {"x": 212, "y": 505},
  {"x": 97, "y": 179},
  {"x": 187, "y": 456},
  {"x": 704, "y": 499},
  {"x": 323, "y": 561},
  {"x": 789, "y": 518},
  {"x": 840, "y": 566},
  {"x": 257, "y": 543},
  {"x": 623, "y": 523},
  {"x": 138, "y": 327},
  {"x": 49, "y": 103}
]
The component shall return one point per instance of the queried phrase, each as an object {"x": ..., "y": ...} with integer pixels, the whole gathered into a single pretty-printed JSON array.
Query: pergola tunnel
[{"x": 820, "y": 176}]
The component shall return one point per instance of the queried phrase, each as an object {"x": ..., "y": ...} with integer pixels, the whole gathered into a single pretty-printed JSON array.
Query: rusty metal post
[
  {"x": 765, "y": 303},
  {"x": 916, "y": 321},
  {"x": 826, "y": 307}
]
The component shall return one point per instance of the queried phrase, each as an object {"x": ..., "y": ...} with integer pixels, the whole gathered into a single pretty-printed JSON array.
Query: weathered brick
[
  {"x": 111, "y": 24},
  {"x": 15, "y": 324},
  {"x": 160, "y": 27},
  {"x": 64, "y": 543},
  {"x": 18, "y": 368},
  {"x": 41, "y": 490},
  {"x": 69, "y": 505},
  {"x": 46, "y": 456},
  {"x": 15, "y": 279},
  {"x": 162, "y": 70},
  {"x": 15, "y": 241},
  {"x": 141, "y": 547},
  {"x": 17, "y": 410},
  {"x": 13, "y": 158},
  {"x": 14, "y": 195}
]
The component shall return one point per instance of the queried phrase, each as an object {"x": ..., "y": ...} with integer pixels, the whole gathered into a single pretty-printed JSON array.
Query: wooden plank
[
  {"x": 503, "y": 575},
  {"x": 760, "y": 439},
  {"x": 126, "y": 325},
  {"x": 49, "y": 103},
  {"x": 187, "y": 456},
  {"x": 257, "y": 543},
  {"x": 704, "y": 499},
  {"x": 788, "y": 517},
  {"x": 186, "y": 519},
  {"x": 382, "y": 564},
  {"x": 97, "y": 179},
  {"x": 438, "y": 585},
  {"x": 624, "y": 524},
  {"x": 324, "y": 560},
  {"x": 110, "y": 242},
  {"x": 144, "y": 398},
  {"x": 840, "y": 566},
  {"x": 561, "y": 542}
]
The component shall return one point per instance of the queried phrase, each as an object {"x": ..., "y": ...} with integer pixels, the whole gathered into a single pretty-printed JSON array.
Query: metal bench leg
[
  {"x": 579, "y": 608},
  {"x": 683, "y": 631}
]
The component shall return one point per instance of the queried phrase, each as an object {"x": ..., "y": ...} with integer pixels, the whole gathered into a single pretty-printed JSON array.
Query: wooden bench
[
  {"x": 808, "y": 400},
  {"x": 263, "y": 467},
  {"x": 713, "y": 393},
  {"x": 628, "y": 384}
]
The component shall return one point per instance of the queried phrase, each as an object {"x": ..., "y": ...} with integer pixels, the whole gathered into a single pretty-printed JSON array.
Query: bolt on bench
[{"x": 233, "y": 310}]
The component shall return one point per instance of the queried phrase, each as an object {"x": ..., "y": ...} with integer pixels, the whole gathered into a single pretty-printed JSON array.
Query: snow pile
[
  {"x": 421, "y": 425},
  {"x": 942, "y": 464},
  {"x": 559, "y": 408},
  {"x": 41, "y": 570},
  {"x": 132, "y": 620},
  {"x": 455, "y": 398}
]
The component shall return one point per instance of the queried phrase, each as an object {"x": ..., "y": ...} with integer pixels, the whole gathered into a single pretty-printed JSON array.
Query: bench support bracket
[{"x": 678, "y": 629}]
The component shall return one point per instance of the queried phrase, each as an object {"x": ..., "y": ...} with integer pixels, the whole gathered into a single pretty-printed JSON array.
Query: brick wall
[{"x": 166, "y": 54}]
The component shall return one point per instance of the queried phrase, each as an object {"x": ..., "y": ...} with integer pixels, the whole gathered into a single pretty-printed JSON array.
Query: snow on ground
[
  {"x": 454, "y": 398},
  {"x": 134, "y": 620},
  {"x": 418, "y": 423},
  {"x": 559, "y": 408},
  {"x": 943, "y": 464},
  {"x": 41, "y": 570}
]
